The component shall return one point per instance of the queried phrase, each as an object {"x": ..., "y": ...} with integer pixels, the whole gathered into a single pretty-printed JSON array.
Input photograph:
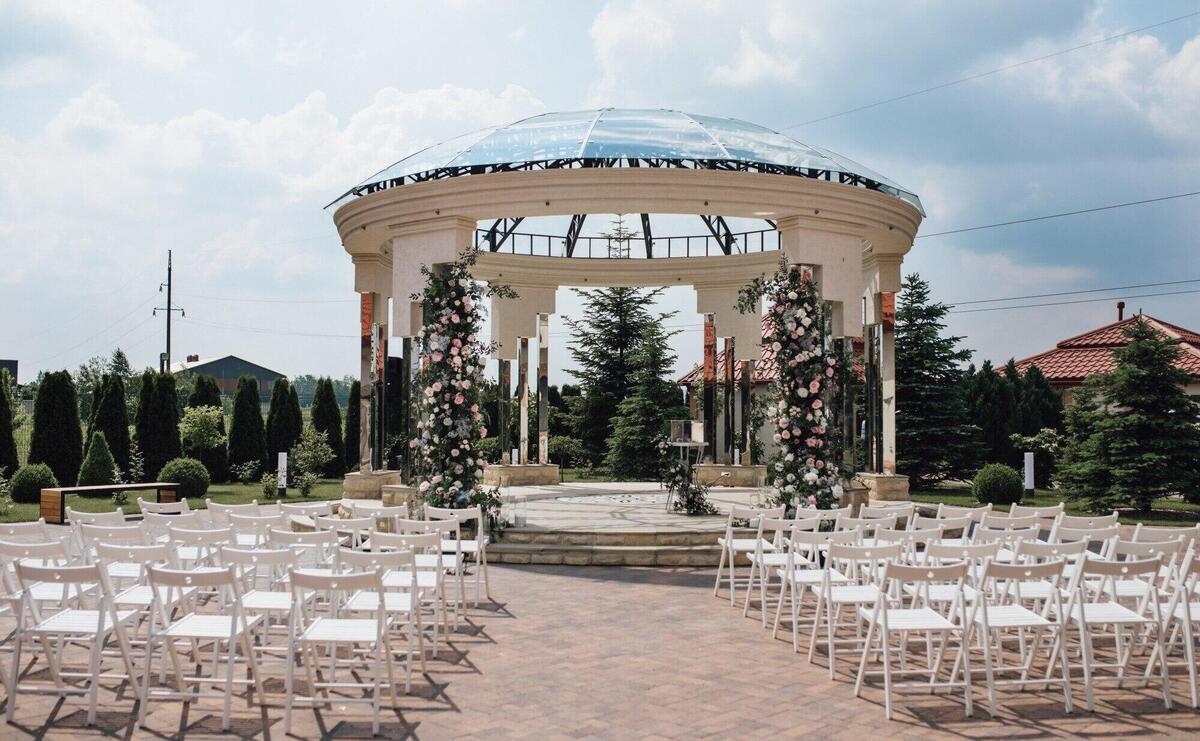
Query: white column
[
  {"x": 836, "y": 258},
  {"x": 881, "y": 276},
  {"x": 429, "y": 242}
]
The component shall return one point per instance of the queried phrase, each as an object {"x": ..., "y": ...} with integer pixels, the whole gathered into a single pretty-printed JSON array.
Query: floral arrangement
[
  {"x": 688, "y": 495},
  {"x": 805, "y": 473},
  {"x": 450, "y": 423}
]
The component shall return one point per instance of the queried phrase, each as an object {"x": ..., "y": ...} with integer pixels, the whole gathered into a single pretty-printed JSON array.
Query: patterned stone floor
[{"x": 626, "y": 653}]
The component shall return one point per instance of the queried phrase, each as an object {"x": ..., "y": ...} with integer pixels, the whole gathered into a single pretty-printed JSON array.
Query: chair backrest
[
  {"x": 750, "y": 514},
  {"x": 313, "y": 548},
  {"x": 867, "y": 526},
  {"x": 1120, "y": 569},
  {"x": 1101, "y": 535},
  {"x": 74, "y": 580},
  {"x": 1042, "y": 512},
  {"x": 373, "y": 508},
  {"x": 307, "y": 509},
  {"x": 1003, "y": 583},
  {"x": 265, "y": 565},
  {"x": 946, "y": 524},
  {"x": 36, "y": 532},
  {"x": 159, "y": 553},
  {"x": 159, "y": 523},
  {"x": 1005, "y": 536},
  {"x": 347, "y": 524},
  {"x": 1083, "y": 522},
  {"x": 259, "y": 525},
  {"x": 1170, "y": 551},
  {"x": 862, "y": 562},
  {"x": 351, "y": 581},
  {"x": 348, "y": 559},
  {"x": 1150, "y": 533},
  {"x": 164, "y": 508},
  {"x": 900, "y": 510},
  {"x": 133, "y": 534},
  {"x": 416, "y": 542},
  {"x": 76, "y": 517},
  {"x": 831, "y": 515},
  {"x": 206, "y": 542},
  {"x": 941, "y": 553},
  {"x": 1037, "y": 551},
  {"x": 997, "y": 520},
  {"x": 220, "y": 512},
  {"x": 953, "y": 510}
]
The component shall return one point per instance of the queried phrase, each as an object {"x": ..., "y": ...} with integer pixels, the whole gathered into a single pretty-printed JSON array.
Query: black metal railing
[{"x": 556, "y": 245}]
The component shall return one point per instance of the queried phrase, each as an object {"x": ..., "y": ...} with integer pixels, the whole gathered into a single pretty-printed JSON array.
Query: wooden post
[
  {"x": 710, "y": 388},
  {"x": 167, "y": 496},
  {"x": 730, "y": 401},
  {"x": 523, "y": 400},
  {"x": 502, "y": 408},
  {"x": 543, "y": 389},
  {"x": 53, "y": 506},
  {"x": 747, "y": 433}
]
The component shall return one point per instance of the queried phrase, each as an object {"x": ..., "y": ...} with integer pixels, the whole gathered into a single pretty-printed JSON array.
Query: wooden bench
[{"x": 54, "y": 501}]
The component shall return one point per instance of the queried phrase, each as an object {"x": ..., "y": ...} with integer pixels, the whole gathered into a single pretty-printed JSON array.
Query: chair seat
[
  {"x": 1040, "y": 590},
  {"x": 446, "y": 561},
  {"x": 51, "y": 592},
  {"x": 466, "y": 546},
  {"x": 814, "y": 576},
  {"x": 142, "y": 595},
  {"x": 265, "y": 600},
  {"x": 851, "y": 594},
  {"x": 776, "y": 558},
  {"x": 941, "y": 592},
  {"x": 1012, "y": 616},
  {"x": 1109, "y": 613},
  {"x": 246, "y": 539},
  {"x": 744, "y": 545},
  {"x": 369, "y": 602},
  {"x": 195, "y": 625},
  {"x": 80, "y": 622},
  {"x": 916, "y": 618},
  {"x": 124, "y": 570},
  {"x": 340, "y": 630},
  {"x": 403, "y": 579},
  {"x": 1125, "y": 589},
  {"x": 1181, "y": 614}
]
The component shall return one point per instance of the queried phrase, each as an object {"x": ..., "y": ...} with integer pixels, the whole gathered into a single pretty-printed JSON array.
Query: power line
[
  {"x": 978, "y": 75},
  {"x": 265, "y": 330},
  {"x": 91, "y": 337},
  {"x": 1073, "y": 293},
  {"x": 1059, "y": 215},
  {"x": 272, "y": 300},
  {"x": 1077, "y": 301}
]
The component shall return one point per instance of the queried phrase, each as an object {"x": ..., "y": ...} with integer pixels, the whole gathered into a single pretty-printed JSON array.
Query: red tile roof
[
  {"x": 765, "y": 370},
  {"x": 1076, "y": 358}
]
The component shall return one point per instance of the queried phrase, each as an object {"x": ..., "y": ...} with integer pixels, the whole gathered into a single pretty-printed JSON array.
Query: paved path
[{"x": 626, "y": 653}]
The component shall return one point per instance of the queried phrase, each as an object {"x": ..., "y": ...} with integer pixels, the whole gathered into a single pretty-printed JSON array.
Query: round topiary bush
[
  {"x": 189, "y": 473},
  {"x": 29, "y": 480},
  {"x": 998, "y": 484}
]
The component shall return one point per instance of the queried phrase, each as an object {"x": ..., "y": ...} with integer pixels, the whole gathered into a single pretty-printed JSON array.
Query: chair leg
[
  {"x": 720, "y": 567},
  {"x": 94, "y": 679},
  {"x": 1162, "y": 663},
  {"x": 487, "y": 586},
  {"x": 862, "y": 662},
  {"x": 887, "y": 674},
  {"x": 229, "y": 671},
  {"x": 1068, "y": 701},
  {"x": 964, "y": 648},
  {"x": 1085, "y": 644},
  {"x": 749, "y": 588}
]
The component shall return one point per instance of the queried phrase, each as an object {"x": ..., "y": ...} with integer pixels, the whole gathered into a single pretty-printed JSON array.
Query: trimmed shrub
[
  {"x": 57, "y": 434},
  {"x": 327, "y": 418},
  {"x": 98, "y": 465},
  {"x": 8, "y": 445},
  {"x": 206, "y": 393},
  {"x": 247, "y": 439},
  {"x": 353, "y": 418},
  {"x": 190, "y": 474},
  {"x": 29, "y": 480},
  {"x": 111, "y": 417},
  {"x": 998, "y": 484},
  {"x": 143, "y": 425}
]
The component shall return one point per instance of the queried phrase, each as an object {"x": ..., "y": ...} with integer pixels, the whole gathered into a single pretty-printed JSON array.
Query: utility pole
[{"x": 164, "y": 360}]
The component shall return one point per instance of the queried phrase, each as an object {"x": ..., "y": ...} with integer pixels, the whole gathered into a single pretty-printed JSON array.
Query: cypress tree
[
  {"x": 247, "y": 439},
  {"x": 295, "y": 417},
  {"x": 642, "y": 418},
  {"x": 98, "y": 464},
  {"x": 112, "y": 419},
  {"x": 935, "y": 439},
  {"x": 144, "y": 425},
  {"x": 57, "y": 437},
  {"x": 1040, "y": 406},
  {"x": 277, "y": 420},
  {"x": 991, "y": 411},
  {"x": 206, "y": 393},
  {"x": 353, "y": 417},
  {"x": 9, "y": 462},
  {"x": 164, "y": 426},
  {"x": 327, "y": 418}
]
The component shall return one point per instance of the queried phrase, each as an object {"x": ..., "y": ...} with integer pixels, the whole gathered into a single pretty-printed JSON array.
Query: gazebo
[{"x": 849, "y": 225}]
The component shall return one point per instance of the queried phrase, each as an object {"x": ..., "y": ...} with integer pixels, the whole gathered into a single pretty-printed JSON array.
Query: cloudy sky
[{"x": 220, "y": 129}]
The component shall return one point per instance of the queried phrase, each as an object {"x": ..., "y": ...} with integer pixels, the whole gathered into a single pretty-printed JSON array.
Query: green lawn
[
  {"x": 223, "y": 493},
  {"x": 570, "y": 475},
  {"x": 1165, "y": 512}
]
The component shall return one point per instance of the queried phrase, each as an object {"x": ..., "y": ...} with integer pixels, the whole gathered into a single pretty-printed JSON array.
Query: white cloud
[
  {"x": 752, "y": 64},
  {"x": 293, "y": 53},
  {"x": 245, "y": 41},
  {"x": 34, "y": 72},
  {"x": 1176, "y": 108},
  {"x": 625, "y": 35},
  {"x": 122, "y": 28}
]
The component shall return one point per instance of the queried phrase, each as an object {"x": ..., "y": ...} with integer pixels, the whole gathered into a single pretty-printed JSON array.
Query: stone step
[
  {"x": 604, "y": 555},
  {"x": 594, "y": 538}
]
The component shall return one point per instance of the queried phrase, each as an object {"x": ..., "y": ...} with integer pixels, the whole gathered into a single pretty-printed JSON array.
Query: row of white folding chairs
[{"x": 174, "y": 617}]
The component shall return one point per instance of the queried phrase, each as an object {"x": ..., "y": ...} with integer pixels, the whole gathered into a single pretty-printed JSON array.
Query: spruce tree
[
  {"x": 327, "y": 418},
  {"x": 278, "y": 420},
  {"x": 206, "y": 393},
  {"x": 1084, "y": 469},
  {"x": 353, "y": 418},
  {"x": 9, "y": 462},
  {"x": 605, "y": 344},
  {"x": 1039, "y": 406},
  {"x": 935, "y": 439},
  {"x": 144, "y": 423},
  {"x": 164, "y": 425},
  {"x": 111, "y": 419},
  {"x": 57, "y": 438},
  {"x": 642, "y": 418},
  {"x": 295, "y": 417},
  {"x": 98, "y": 465},
  {"x": 991, "y": 405},
  {"x": 247, "y": 439}
]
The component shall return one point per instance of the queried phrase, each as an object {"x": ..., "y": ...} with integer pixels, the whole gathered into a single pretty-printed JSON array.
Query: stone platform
[
  {"x": 529, "y": 474},
  {"x": 723, "y": 474}
]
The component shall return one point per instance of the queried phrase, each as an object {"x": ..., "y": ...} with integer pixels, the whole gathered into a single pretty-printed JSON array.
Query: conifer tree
[
  {"x": 642, "y": 418},
  {"x": 247, "y": 439},
  {"x": 1039, "y": 406},
  {"x": 935, "y": 439},
  {"x": 161, "y": 443},
  {"x": 8, "y": 445},
  {"x": 991, "y": 405},
  {"x": 206, "y": 393},
  {"x": 353, "y": 418},
  {"x": 57, "y": 438},
  {"x": 112, "y": 419},
  {"x": 327, "y": 418},
  {"x": 98, "y": 465},
  {"x": 143, "y": 421},
  {"x": 1140, "y": 424},
  {"x": 279, "y": 421},
  {"x": 295, "y": 417},
  {"x": 605, "y": 344}
]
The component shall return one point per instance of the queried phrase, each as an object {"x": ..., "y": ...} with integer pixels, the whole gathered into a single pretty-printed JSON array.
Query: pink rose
[
  {"x": 458, "y": 399},
  {"x": 817, "y": 404},
  {"x": 437, "y": 356}
]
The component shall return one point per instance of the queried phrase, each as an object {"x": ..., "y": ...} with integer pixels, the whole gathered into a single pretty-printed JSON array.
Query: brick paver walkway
[{"x": 627, "y": 653}]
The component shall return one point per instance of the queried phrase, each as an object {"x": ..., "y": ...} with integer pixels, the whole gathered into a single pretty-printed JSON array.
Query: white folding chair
[
  {"x": 764, "y": 563},
  {"x": 1182, "y": 616},
  {"x": 430, "y": 573},
  {"x": 306, "y": 510},
  {"x": 902, "y": 510},
  {"x": 368, "y": 640},
  {"x": 352, "y": 532},
  {"x": 50, "y": 554},
  {"x": 800, "y": 573},
  {"x": 451, "y": 561},
  {"x": 76, "y": 625},
  {"x": 230, "y": 628},
  {"x": 731, "y": 546},
  {"x": 999, "y": 614},
  {"x": 1128, "y": 624},
  {"x": 1006, "y": 521},
  {"x": 1155, "y": 533},
  {"x": 1031, "y": 552},
  {"x": 219, "y": 513},
  {"x": 163, "y": 508},
  {"x": 385, "y": 516},
  {"x": 885, "y": 621},
  {"x": 955, "y": 530},
  {"x": 311, "y": 550},
  {"x": 197, "y": 548},
  {"x": 250, "y": 531},
  {"x": 75, "y": 518},
  {"x": 862, "y": 566},
  {"x": 472, "y": 548},
  {"x": 402, "y": 602},
  {"x": 158, "y": 524},
  {"x": 265, "y": 591}
]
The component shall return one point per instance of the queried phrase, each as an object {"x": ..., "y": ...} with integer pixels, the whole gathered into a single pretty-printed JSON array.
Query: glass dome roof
[{"x": 611, "y": 137}]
